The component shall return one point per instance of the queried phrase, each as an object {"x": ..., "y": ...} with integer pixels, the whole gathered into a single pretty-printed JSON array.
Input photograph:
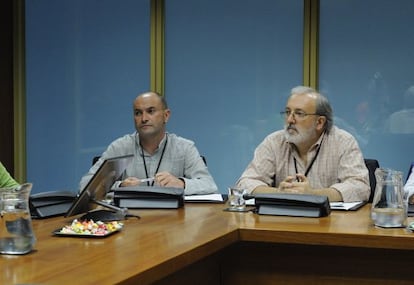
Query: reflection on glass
[
  {"x": 402, "y": 121},
  {"x": 365, "y": 68}
]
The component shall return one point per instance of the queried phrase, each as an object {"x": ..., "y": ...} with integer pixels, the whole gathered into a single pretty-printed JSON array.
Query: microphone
[{"x": 248, "y": 196}]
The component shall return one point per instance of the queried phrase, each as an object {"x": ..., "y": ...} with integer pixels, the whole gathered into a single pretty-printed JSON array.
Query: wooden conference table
[{"x": 202, "y": 244}]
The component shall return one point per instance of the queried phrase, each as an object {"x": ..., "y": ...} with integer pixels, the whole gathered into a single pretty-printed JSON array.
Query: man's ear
[
  {"x": 320, "y": 123},
  {"x": 167, "y": 114}
]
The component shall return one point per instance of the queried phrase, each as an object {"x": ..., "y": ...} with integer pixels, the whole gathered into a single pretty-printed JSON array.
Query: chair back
[{"x": 95, "y": 159}]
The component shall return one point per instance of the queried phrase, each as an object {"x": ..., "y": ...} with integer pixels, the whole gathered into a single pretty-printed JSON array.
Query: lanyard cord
[
  {"x": 311, "y": 164},
  {"x": 159, "y": 162}
]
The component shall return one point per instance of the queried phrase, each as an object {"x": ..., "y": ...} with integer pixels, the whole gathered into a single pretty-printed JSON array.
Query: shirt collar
[{"x": 160, "y": 145}]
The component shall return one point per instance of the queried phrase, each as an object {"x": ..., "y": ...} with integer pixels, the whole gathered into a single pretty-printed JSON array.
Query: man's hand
[
  {"x": 166, "y": 179},
  {"x": 130, "y": 181},
  {"x": 296, "y": 184},
  {"x": 299, "y": 184}
]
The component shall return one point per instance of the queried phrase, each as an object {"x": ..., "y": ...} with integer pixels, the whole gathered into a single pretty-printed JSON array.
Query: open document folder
[
  {"x": 347, "y": 206},
  {"x": 208, "y": 198}
]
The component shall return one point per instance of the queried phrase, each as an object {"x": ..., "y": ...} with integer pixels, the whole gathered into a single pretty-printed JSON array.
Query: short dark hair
[{"x": 162, "y": 98}]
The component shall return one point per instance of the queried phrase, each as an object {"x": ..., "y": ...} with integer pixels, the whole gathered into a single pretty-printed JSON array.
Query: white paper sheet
[
  {"x": 345, "y": 205},
  {"x": 208, "y": 197}
]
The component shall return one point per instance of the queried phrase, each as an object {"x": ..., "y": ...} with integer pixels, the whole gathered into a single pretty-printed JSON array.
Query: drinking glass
[
  {"x": 16, "y": 232},
  {"x": 236, "y": 200}
]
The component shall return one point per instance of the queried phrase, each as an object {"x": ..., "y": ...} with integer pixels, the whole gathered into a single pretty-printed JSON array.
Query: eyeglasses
[{"x": 297, "y": 114}]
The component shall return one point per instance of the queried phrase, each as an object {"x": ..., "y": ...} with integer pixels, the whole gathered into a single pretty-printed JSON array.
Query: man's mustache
[{"x": 291, "y": 127}]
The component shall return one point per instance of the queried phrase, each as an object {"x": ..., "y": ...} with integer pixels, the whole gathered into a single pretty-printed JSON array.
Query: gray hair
[{"x": 323, "y": 107}]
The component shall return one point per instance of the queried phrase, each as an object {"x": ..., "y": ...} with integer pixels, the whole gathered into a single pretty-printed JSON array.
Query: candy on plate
[{"x": 91, "y": 227}]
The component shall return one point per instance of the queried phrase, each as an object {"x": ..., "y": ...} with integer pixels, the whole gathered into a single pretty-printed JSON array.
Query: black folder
[
  {"x": 148, "y": 197},
  {"x": 298, "y": 205},
  {"x": 50, "y": 204},
  {"x": 410, "y": 210}
]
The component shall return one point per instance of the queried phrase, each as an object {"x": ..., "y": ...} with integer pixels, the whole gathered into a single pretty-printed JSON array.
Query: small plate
[
  {"x": 101, "y": 229},
  {"x": 58, "y": 233}
]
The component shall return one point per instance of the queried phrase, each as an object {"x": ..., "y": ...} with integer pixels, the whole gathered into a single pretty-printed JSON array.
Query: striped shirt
[{"x": 339, "y": 165}]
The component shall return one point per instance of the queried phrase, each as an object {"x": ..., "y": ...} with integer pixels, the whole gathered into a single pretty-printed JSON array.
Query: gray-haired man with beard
[{"x": 310, "y": 156}]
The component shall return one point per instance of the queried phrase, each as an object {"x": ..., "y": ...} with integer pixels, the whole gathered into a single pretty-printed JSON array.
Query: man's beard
[{"x": 300, "y": 136}]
